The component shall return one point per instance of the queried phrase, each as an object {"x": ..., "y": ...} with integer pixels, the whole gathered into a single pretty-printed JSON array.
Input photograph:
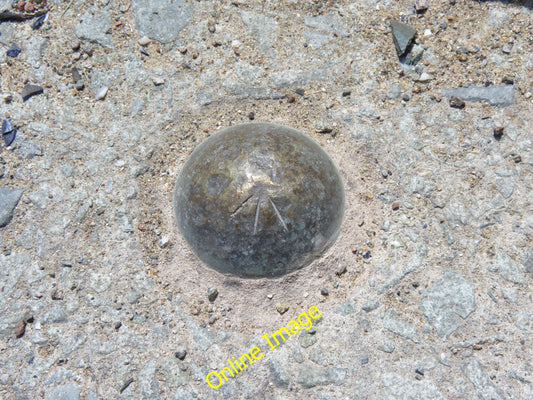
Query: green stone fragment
[{"x": 403, "y": 36}]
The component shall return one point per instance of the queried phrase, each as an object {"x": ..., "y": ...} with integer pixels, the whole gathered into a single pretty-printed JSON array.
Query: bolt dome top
[{"x": 259, "y": 200}]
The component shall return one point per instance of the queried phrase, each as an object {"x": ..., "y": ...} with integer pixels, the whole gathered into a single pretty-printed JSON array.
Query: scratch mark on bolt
[
  {"x": 257, "y": 215},
  {"x": 241, "y": 205},
  {"x": 278, "y": 215}
]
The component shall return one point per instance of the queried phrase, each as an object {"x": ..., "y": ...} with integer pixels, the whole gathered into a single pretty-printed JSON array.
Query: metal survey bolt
[{"x": 259, "y": 200}]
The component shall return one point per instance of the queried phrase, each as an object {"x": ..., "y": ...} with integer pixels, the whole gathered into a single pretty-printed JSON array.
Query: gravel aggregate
[{"x": 425, "y": 295}]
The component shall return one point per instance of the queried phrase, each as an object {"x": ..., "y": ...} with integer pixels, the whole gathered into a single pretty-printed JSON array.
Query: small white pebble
[
  {"x": 164, "y": 241},
  {"x": 428, "y": 32},
  {"x": 158, "y": 81},
  {"x": 425, "y": 77},
  {"x": 101, "y": 94},
  {"x": 145, "y": 41}
]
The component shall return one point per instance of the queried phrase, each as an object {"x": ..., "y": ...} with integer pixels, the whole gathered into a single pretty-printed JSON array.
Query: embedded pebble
[
  {"x": 161, "y": 20},
  {"x": 282, "y": 308},
  {"x": 13, "y": 51},
  {"x": 457, "y": 102},
  {"x": 30, "y": 91},
  {"x": 448, "y": 302},
  {"x": 508, "y": 268},
  {"x": 95, "y": 27},
  {"x": 69, "y": 391},
  {"x": 400, "y": 327},
  {"x": 101, "y": 93},
  {"x": 181, "y": 353},
  {"x": 310, "y": 377},
  {"x": 212, "y": 294},
  {"x": 145, "y": 41},
  {"x": 494, "y": 95},
  {"x": 9, "y": 198},
  {"x": 403, "y": 36},
  {"x": 485, "y": 388}
]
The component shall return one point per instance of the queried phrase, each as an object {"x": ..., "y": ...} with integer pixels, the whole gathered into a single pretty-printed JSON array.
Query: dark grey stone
[
  {"x": 403, "y": 36},
  {"x": 161, "y": 20},
  {"x": 502, "y": 95},
  {"x": 212, "y": 294},
  {"x": 9, "y": 198},
  {"x": 315, "y": 376},
  {"x": 95, "y": 27},
  {"x": 30, "y": 91},
  {"x": 485, "y": 388},
  {"x": 449, "y": 302}
]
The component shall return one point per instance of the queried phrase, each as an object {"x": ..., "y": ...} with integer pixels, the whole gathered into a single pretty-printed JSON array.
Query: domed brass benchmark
[{"x": 259, "y": 200}]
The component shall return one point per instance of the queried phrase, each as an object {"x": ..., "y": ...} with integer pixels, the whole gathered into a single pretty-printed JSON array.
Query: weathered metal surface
[{"x": 259, "y": 200}]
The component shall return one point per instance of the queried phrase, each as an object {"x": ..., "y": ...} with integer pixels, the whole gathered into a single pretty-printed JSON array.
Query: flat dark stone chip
[
  {"x": 9, "y": 132},
  {"x": 9, "y": 137},
  {"x": 13, "y": 51},
  {"x": 38, "y": 22},
  {"x": 7, "y": 126},
  {"x": 403, "y": 36},
  {"x": 30, "y": 91}
]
